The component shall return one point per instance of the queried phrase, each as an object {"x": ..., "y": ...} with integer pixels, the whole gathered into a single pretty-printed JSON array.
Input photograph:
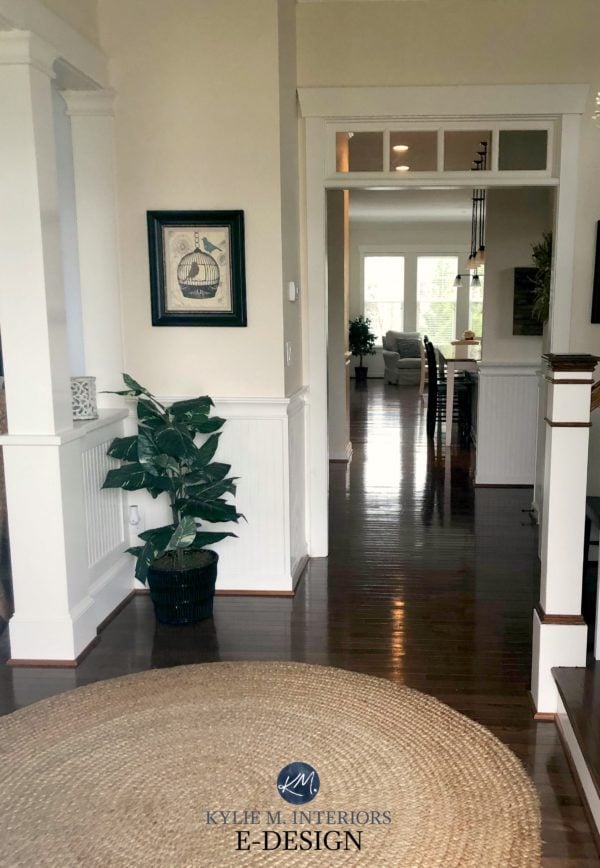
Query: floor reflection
[{"x": 430, "y": 582}]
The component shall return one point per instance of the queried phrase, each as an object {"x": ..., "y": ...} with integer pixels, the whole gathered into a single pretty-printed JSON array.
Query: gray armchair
[{"x": 403, "y": 358}]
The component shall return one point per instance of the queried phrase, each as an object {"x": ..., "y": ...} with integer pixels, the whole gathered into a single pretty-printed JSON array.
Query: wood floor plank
[{"x": 427, "y": 585}]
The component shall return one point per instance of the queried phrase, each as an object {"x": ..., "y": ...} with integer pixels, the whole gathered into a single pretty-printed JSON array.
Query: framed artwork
[
  {"x": 524, "y": 322},
  {"x": 596, "y": 286},
  {"x": 197, "y": 268}
]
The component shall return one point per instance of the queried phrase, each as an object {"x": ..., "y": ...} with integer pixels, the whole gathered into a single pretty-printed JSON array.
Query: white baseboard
[{"x": 112, "y": 587}]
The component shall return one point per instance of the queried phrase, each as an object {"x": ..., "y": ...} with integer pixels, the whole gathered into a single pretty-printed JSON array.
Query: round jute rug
[{"x": 180, "y": 768}]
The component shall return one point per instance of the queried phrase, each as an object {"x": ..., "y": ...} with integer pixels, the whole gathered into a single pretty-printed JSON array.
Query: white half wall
[
  {"x": 264, "y": 441},
  {"x": 507, "y": 423}
]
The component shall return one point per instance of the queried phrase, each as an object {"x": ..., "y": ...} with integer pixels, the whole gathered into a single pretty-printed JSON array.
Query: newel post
[{"x": 559, "y": 631}]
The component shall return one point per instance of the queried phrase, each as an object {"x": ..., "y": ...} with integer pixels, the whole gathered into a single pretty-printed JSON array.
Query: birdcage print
[{"x": 198, "y": 274}]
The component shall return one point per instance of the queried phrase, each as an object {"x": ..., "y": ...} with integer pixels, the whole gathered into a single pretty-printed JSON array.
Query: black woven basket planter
[{"x": 184, "y": 596}]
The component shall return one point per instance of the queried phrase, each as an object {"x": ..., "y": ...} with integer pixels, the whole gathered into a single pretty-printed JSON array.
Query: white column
[
  {"x": 92, "y": 133},
  {"x": 32, "y": 308},
  {"x": 43, "y": 470},
  {"x": 559, "y": 631}
]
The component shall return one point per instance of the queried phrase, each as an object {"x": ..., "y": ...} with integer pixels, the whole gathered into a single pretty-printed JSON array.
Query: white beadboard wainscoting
[
  {"x": 507, "y": 423},
  {"x": 264, "y": 440},
  {"x": 67, "y": 538},
  {"x": 110, "y": 567}
]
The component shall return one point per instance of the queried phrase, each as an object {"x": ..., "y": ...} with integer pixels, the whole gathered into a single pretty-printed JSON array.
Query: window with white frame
[
  {"x": 436, "y": 297},
  {"x": 383, "y": 282}
]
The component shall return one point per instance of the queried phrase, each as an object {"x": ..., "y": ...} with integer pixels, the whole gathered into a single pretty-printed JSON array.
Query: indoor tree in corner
[
  {"x": 361, "y": 341},
  {"x": 164, "y": 459}
]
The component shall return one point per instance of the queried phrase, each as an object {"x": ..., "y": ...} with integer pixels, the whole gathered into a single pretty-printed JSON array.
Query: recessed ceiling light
[
  {"x": 400, "y": 149},
  {"x": 402, "y": 168}
]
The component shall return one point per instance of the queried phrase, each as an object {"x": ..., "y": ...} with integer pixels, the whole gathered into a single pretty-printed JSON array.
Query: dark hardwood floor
[
  {"x": 430, "y": 583},
  {"x": 580, "y": 692}
]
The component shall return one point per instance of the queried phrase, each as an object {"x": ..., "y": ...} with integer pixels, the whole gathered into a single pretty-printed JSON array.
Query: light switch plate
[{"x": 292, "y": 291}]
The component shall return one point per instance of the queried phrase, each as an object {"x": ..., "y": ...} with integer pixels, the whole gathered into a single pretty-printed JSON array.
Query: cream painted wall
[
  {"x": 448, "y": 42},
  {"x": 82, "y": 15},
  {"x": 382, "y": 43},
  {"x": 198, "y": 127},
  {"x": 515, "y": 220},
  {"x": 288, "y": 112}
]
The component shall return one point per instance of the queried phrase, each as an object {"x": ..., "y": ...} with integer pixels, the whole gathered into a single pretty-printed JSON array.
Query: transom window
[{"x": 509, "y": 147}]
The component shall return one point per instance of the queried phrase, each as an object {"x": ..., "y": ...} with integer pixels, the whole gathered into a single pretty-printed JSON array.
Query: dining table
[{"x": 456, "y": 357}]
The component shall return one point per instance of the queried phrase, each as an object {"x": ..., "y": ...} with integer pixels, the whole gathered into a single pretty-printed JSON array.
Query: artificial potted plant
[
  {"x": 361, "y": 341},
  {"x": 164, "y": 459}
]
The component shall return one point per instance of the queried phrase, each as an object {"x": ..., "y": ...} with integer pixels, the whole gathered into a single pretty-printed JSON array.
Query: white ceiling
[{"x": 411, "y": 206}]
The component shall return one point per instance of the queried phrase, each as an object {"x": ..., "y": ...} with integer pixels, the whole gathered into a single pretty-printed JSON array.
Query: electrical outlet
[{"x": 288, "y": 353}]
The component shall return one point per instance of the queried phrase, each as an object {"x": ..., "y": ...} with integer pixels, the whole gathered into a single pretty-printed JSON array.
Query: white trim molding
[
  {"x": 19, "y": 47},
  {"x": 80, "y": 54},
  {"x": 462, "y": 101},
  {"x": 94, "y": 103},
  {"x": 323, "y": 109}
]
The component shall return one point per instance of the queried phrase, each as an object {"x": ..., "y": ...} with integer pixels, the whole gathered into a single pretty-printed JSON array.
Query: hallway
[{"x": 430, "y": 587}]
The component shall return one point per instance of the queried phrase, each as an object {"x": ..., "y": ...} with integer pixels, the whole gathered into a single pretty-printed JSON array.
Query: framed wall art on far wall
[
  {"x": 524, "y": 321},
  {"x": 197, "y": 268}
]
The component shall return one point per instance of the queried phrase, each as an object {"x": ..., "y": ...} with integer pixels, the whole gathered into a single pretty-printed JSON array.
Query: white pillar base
[
  {"x": 56, "y": 640},
  {"x": 554, "y": 644}
]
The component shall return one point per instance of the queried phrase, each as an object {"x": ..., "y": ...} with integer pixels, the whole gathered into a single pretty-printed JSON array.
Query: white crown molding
[
  {"x": 78, "y": 52},
  {"x": 89, "y": 102},
  {"x": 484, "y": 101},
  {"x": 21, "y": 47}
]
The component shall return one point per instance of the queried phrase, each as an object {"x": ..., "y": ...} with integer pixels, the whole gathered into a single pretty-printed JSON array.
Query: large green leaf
[
  {"x": 213, "y": 511},
  {"x": 150, "y": 416},
  {"x": 161, "y": 535},
  {"x": 145, "y": 560},
  {"x": 147, "y": 451},
  {"x": 193, "y": 405},
  {"x": 132, "y": 477},
  {"x": 201, "y": 423},
  {"x": 135, "y": 550},
  {"x": 124, "y": 448},
  {"x": 175, "y": 442},
  {"x": 209, "y": 538},
  {"x": 184, "y": 535},
  {"x": 216, "y": 471},
  {"x": 211, "y": 490},
  {"x": 205, "y": 453},
  {"x": 166, "y": 462},
  {"x": 134, "y": 386}
]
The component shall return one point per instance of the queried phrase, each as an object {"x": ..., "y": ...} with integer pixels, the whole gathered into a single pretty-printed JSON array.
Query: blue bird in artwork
[{"x": 210, "y": 247}]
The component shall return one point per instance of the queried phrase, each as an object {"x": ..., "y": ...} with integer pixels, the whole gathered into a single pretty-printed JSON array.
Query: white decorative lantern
[{"x": 83, "y": 398}]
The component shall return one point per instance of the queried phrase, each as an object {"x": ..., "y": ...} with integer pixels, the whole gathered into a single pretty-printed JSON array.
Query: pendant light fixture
[{"x": 478, "y": 213}]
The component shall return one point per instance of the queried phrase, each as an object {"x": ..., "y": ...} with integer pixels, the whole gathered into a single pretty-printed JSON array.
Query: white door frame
[{"x": 320, "y": 107}]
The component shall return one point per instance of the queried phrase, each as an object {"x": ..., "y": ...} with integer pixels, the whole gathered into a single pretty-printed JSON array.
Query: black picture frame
[
  {"x": 596, "y": 284},
  {"x": 197, "y": 268}
]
